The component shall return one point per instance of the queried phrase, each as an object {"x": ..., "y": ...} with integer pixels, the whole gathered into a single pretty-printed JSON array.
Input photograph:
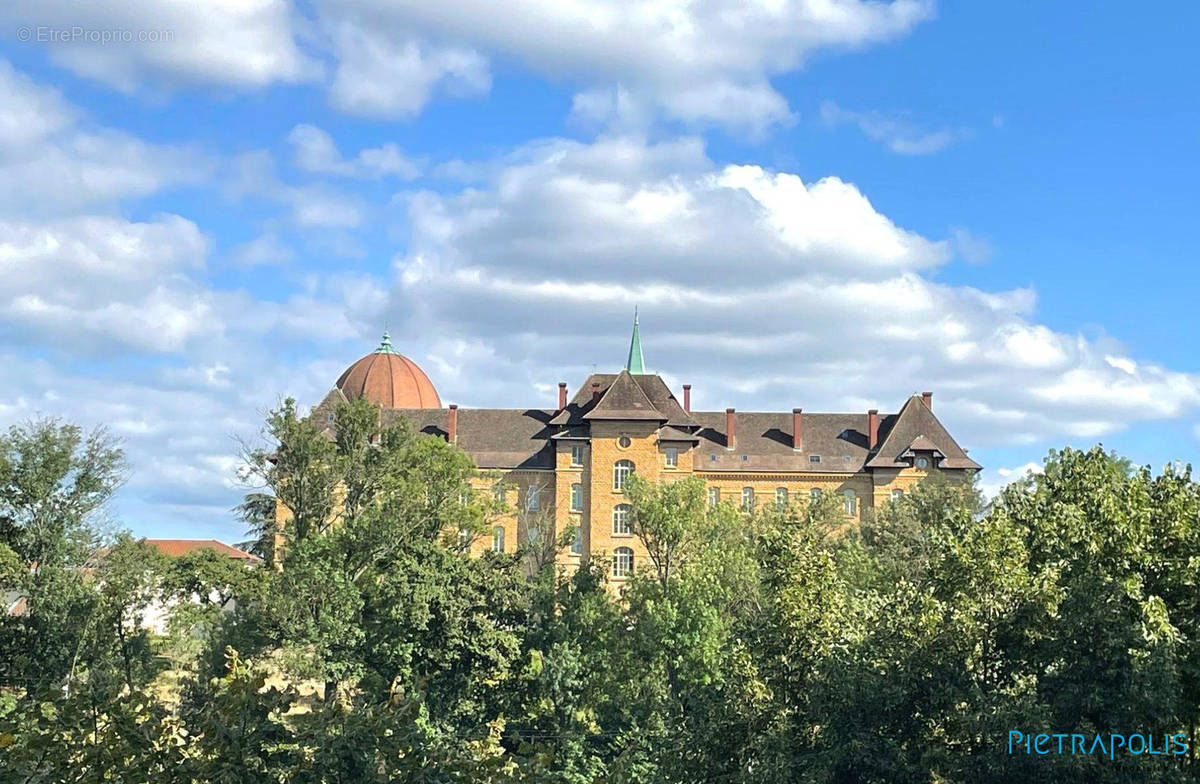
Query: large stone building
[{"x": 563, "y": 467}]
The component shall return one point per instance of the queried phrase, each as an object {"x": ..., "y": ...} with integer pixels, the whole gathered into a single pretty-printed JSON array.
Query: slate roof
[
  {"x": 763, "y": 442},
  {"x": 493, "y": 437},
  {"x": 624, "y": 400},
  {"x": 916, "y": 428},
  {"x": 523, "y": 438},
  {"x": 651, "y": 385}
]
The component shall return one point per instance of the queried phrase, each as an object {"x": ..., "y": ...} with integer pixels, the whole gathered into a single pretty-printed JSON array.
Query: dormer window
[{"x": 922, "y": 462}]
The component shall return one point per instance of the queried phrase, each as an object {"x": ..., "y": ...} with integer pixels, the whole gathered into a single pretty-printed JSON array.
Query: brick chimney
[
  {"x": 872, "y": 428},
  {"x": 730, "y": 424},
  {"x": 687, "y": 398},
  {"x": 452, "y": 424},
  {"x": 595, "y": 391},
  {"x": 927, "y": 399},
  {"x": 562, "y": 395},
  {"x": 798, "y": 429}
]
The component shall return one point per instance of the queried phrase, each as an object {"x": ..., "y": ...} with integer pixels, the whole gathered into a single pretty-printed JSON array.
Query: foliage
[{"x": 771, "y": 646}]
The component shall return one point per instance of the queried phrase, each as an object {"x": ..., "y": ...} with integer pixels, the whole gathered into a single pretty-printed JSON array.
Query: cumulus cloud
[
  {"x": 700, "y": 63},
  {"x": 315, "y": 151},
  {"x": 899, "y": 133},
  {"x": 249, "y": 43},
  {"x": 51, "y": 163},
  {"x": 763, "y": 286}
]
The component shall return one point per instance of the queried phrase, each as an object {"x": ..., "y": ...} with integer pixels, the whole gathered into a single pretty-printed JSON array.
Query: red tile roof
[{"x": 177, "y": 547}]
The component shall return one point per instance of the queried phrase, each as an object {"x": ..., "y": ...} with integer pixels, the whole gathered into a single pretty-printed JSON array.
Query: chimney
[
  {"x": 927, "y": 399},
  {"x": 872, "y": 428},
  {"x": 797, "y": 429},
  {"x": 595, "y": 391},
  {"x": 687, "y": 398},
  {"x": 562, "y": 395},
  {"x": 730, "y": 422},
  {"x": 452, "y": 424}
]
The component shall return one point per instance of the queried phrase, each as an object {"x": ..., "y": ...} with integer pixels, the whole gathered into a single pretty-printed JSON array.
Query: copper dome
[{"x": 389, "y": 379}]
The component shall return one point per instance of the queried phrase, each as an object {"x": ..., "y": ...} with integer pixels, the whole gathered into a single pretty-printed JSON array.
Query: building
[
  {"x": 156, "y": 614},
  {"x": 563, "y": 467}
]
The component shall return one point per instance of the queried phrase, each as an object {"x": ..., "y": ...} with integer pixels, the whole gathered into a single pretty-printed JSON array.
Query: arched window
[
  {"x": 576, "y": 497},
  {"x": 781, "y": 498},
  {"x": 814, "y": 495},
  {"x": 622, "y": 470},
  {"x": 622, "y": 520},
  {"x": 622, "y": 562},
  {"x": 747, "y": 499},
  {"x": 897, "y": 495},
  {"x": 848, "y": 503},
  {"x": 498, "y": 539},
  {"x": 577, "y": 541},
  {"x": 533, "y": 498},
  {"x": 714, "y": 496}
]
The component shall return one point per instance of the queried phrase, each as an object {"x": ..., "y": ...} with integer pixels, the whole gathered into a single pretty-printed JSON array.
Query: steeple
[{"x": 636, "y": 362}]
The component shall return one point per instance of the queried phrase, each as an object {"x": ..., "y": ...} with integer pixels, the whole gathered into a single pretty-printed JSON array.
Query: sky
[{"x": 832, "y": 204}]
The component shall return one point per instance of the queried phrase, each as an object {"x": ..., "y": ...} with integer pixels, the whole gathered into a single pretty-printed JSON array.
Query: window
[
  {"x": 622, "y": 562},
  {"x": 747, "y": 499},
  {"x": 577, "y": 542},
  {"x": 848, "y": 503},
  {"x": 464, "y": 497},
  {"x": 814, "y": 495},
  {"x": 622, "y": 469},
  {"x": 624, "y": 442},
  {"x": 781, "y": 498},
  {"x": 576, "y": 454},
  {"x": 576, "y": 497},
  {"x": 922, "y": 462},
  {"x": 498, "y": 492},
  {"x": 329, "y": 417},
  {"x": 533, "y": 498},
  {"x": 714, "y": 496},
  {"x": 814, "y": 458},
  {"x": 498, "y": 539},
  {"x": 533, "y": 536},
  {"x": 671, "y": 456},
  {"x": 464, "y": 538},
  {"x": 622, "y": 520},
  {"x": 897, "y": 495}
]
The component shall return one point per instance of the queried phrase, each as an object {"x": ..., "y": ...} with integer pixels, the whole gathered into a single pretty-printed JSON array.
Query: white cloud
[
  {"x": 265, "y": 249},
  {"x": 993, "y": 481},
  {"x": 95, "y": 280},
  {"x": 314, "y": 151},
  {"x": 249, "y": 43},
  {"x": 752, "y": 281},
  {"x": 700, "y": 63},
  {"x": 312, "y": 206},
  {"x": 381, "y": 75},
  {"x": 49, "y": 164},
  {"x": 897, "y": 132}
]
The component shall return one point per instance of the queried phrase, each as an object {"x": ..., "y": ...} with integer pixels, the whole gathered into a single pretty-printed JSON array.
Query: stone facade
[{"x": 568, "y": 458}]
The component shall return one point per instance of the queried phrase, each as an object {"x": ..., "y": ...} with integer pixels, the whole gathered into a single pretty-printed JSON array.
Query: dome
[{"x": 389, "y": 379}]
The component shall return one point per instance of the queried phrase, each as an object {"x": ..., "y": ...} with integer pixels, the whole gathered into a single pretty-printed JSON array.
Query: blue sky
[{"x": 821, "y": 203}]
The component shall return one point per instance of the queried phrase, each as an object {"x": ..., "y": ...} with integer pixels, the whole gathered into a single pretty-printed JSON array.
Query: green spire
[
  {"x": 385, "y": 345},
  {"x": 636, "y": 362}
]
